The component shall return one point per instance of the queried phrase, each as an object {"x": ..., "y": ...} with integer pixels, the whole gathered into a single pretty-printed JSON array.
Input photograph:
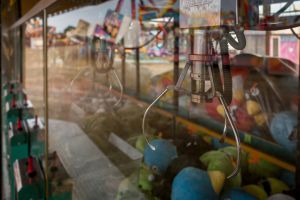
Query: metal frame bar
[
  {"x": 137, "y": 53},
  {"x": 40, "y": 6},
  {"x": 175, "y": 75},
  {"x": 123, "y": 68},
  {"x": 1, "y": 128},
  {"x": 298, "y": 143},
  {"x": 46, "y": 118}
]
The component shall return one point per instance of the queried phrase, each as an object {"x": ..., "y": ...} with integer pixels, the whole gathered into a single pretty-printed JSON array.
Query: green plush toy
[
  {"x": 128, "y": 189},
  {"x": 220, "y": 163},
  {"x": 259, "y": 168},
  {"x": 256, "y": 191},
  {"x": 141, "y": 142},
  {"x": 273, "y": 186},
  {"x": 232, "y": 152},
  {"x": 145, "y": 179}
]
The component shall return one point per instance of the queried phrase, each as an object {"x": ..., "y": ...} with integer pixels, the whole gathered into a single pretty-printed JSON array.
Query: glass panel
[
  {"x": 109, "y": 60},
  {"x": 100, "y": 139}
]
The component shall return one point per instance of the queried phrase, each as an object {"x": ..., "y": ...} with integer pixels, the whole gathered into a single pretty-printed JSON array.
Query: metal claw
[
  {"x": 77, "y": 76},
  {"x": 222, "y": 139},
  {"x": 236, "y": 135},
  {"x": 176, "y": 87},
  {"x": 183, "y": 75},
  {"x": 120, "y": 85},
  {"x": 171, "y": 87}
]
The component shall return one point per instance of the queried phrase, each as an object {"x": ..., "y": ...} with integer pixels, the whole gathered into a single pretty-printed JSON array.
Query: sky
[{"x": 91, "y": 14}]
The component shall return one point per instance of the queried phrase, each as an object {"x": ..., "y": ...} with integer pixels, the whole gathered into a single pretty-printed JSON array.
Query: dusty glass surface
[{"x": 100, "y": 85}]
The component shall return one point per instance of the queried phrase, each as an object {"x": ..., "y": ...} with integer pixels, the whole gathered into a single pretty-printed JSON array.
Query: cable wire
[
  {"x": 152, "y": 39},
  {"x": 295, "y": 34}
]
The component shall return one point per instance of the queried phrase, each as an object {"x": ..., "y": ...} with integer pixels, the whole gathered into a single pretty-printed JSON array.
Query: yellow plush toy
[{"x": 253, "y": 108}]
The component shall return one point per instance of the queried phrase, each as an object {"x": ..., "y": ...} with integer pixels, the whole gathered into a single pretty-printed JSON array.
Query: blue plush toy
[
  {"x": 238, "y": 194},
  {"x": 160, "y": 158},
  {"x": 283, "y": 129},
  {"x": 193, "y": 184}
]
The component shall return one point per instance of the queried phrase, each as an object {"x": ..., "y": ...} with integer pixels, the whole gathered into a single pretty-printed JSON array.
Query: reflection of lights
[{"x": 291, "y": 49}]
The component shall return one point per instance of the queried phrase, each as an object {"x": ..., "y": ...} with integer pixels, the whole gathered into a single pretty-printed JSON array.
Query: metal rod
[
  {"x": 120, "y": 86},
  {"x": 1, "y": 118},
  {"x": 123, "y": 67},
  {"x": 222, "y": 139},
  {"x": 171, "y": 87},
  {"x": 236, "y": 135},
  {"x": 175, "y": 76},
  {"x": 298, "y": 138},
  {"x": 40, "y": 6},
  {"x": 46, "y": 118},
  {"x": 137, "y": 52},
  {"x": 176, "y": 61},
  {"x": 137, "y": 60}
]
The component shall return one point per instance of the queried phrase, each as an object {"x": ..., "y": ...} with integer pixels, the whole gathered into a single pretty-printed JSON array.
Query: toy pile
[
  {"x": 264, "y": 94},
  {"x": 188, "y": 168}
]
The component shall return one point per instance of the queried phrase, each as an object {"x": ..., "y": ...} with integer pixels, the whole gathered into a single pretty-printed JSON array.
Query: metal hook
[
  {"x": 77, "y": 76},
  {"x": 171, "y": 87},
  {"x": 120, "y": 85},
  {"x": 222, "y": 139},
  {"x": 235, "y": 132}
]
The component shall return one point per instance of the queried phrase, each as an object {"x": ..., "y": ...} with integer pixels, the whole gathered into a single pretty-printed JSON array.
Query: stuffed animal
[
  {"x": 145, "y": 179},
  {"x": 256, "y": 191},
  {"x": 221, "y": 165},
  {"x": 191, "y": 144},
  {"x": 273, "y": 186},
  {"x": 231, "y": 151},
  {"x": 193, "y": 184},
  {"x": 237, "y": 194},
  {"x": 284, "y": 129},
  {"x": 128, "y": 189},
  {"x": 159, "y": 159},
  {"x": 259, "y": 168},
  {"x": 280, "y": 197},
  {"x": 164, "y": 188}
]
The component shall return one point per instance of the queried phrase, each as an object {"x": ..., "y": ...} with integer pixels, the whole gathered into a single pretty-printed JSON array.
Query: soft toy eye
[
  {"x": 151, "y": 178},
  {"x": 188, "y": 144},
  {"x": 154, "y": 168}
]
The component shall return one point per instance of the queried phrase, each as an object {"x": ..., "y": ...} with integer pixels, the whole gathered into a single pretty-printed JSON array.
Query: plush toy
[
  {"x": 141, "y": 143},
  {"x": 288, "y": 177},
  {"x": 259, "y": 168},
  {"x": 193, "y": 184},
  {"x": 231, "y": 151},
  {"x": 260, "y": 119},
  {"x": 146, "y": 179},
  {"x": 191, "y": 144},
  {"x": 256, "y": 191},
  {"x": 237, "y": 194},
  {"x": 280, "y": 197},
  {"x": 163, "y": 190},
  {"x": 273, "y": 186},
  {"x": 128, "y": 189},
  {"x": 284, "y": 129},
  {"x": 159, "y": 159},
  {"x": 217, "y": 144},
  {"x": 243, "y": 120},
  {"x": 253, "y": 108},
  {"x": 212, "y": 111},
  {"x": 221, "y": 165}
]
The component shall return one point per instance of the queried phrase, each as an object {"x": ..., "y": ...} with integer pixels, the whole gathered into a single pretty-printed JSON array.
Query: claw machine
[{"x": 151, "y": 99}]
